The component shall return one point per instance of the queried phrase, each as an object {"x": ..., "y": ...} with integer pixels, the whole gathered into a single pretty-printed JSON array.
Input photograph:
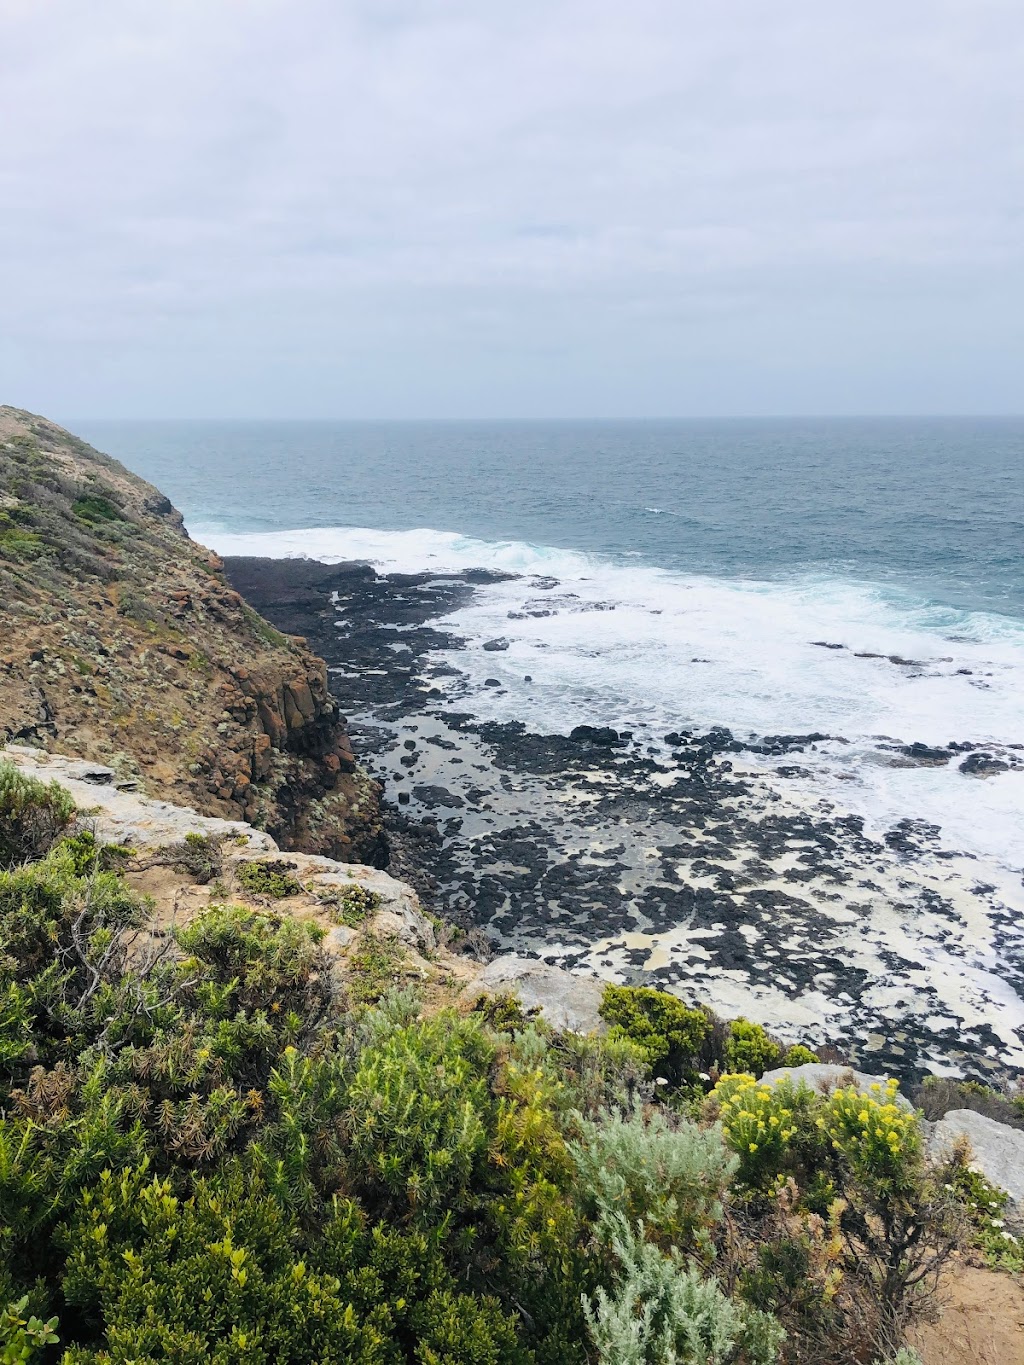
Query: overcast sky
[{"x": 331, "y": 208}]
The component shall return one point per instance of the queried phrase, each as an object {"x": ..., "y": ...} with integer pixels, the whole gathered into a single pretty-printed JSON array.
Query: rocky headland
[{"x": 122, "y": 642}]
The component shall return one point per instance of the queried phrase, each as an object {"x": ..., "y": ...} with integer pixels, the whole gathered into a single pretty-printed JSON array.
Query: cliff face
[{"x": 122, "y": 642}]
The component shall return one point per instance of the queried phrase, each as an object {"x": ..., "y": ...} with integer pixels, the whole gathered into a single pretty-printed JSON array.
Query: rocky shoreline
[{"x": 692, "y": 861}]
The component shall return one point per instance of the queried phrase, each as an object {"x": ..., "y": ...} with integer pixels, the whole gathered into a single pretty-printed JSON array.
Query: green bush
[
  {"x": 797, "y": 1055},
  {"x": 33, "y": 815},
  {"x": 667, "y": 1032},
  {"x": 95, "y": 509},
  {"x": 22, "y": 1334},
  {"x": 662, "y": 1173},
  {"x": 268, "y": 879},
  {"x": 749, "y": 1048}
]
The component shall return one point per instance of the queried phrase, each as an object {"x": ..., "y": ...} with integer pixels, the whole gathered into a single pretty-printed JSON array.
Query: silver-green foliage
[
  {"x": 657, "y": 1170},
  {"x": 663, "y": 1312}
]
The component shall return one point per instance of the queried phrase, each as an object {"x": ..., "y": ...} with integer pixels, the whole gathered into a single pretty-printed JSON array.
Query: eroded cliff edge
[{"x": 122, "y": 642}]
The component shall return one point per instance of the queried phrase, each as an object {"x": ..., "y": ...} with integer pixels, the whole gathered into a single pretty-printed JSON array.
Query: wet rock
[
  {"x": 496, "y": 646},
  {"x": 600, "y": 735},
  {"x": 983, "y": 765}
]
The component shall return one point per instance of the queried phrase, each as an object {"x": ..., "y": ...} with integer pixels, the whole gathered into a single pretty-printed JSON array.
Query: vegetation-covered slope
[
  {"x": 121, "y": 641},
  {"x": 214, "y": 1146}
]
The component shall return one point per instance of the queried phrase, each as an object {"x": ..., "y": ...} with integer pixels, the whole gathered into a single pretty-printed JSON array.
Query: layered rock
[{"x": 121, "y": 642}]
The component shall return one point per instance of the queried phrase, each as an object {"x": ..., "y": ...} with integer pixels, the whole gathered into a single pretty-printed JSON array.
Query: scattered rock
[{"x": 983, "y": 765}]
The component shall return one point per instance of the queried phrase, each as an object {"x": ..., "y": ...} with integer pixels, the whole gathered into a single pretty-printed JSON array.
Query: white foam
[{"x": 622, "y": 643}]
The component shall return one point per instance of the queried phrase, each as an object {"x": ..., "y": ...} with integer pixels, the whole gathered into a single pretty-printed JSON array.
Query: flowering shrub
[
  {"x": 770, "y": 1128},
  {"x": 875, "y": 1135}
]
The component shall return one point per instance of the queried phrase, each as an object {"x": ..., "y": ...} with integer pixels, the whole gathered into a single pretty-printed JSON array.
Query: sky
[{"x": 552, "y": 208}]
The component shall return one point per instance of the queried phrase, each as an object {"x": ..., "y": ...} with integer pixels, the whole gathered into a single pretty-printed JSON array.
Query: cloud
[{"x": 311, "y": 207}]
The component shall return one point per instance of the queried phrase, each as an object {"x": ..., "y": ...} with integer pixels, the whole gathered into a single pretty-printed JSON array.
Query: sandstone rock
[
  {"x": 997, "y": 1150},
  {"x": 119, "y": 816},
  {"x": 825, "y": 1076},
  {"x": 566, "y": 1000}
]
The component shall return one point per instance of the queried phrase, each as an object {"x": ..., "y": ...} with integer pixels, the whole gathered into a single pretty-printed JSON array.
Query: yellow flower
[{"x": 753, "y": 1146}]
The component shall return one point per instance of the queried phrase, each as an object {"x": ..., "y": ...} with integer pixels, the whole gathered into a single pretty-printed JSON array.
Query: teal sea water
[
  {"x": 702, "y": 567},
  {"x": 936, "y": 506}
]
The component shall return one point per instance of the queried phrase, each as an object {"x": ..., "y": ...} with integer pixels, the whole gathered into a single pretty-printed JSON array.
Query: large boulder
[
  {"x": 826, "y": 1077},
  {"x": 567, "y": 1001},
  {"x": 998, "y": 1150}
]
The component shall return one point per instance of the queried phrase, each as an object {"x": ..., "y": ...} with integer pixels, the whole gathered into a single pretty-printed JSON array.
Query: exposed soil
[{"x": 981, "y": 1322}]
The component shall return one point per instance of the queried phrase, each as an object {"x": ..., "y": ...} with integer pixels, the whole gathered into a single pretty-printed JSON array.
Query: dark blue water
[{"x": 933, "y": 505}]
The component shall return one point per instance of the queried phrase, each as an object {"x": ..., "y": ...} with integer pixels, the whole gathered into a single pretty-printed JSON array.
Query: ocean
[{"x": 859, "y": 578}]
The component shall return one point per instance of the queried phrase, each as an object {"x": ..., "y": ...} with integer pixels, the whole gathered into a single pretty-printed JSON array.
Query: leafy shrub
[
  {"x": 798, "y": 1055},
  {"x": 95, "y": 509},
  {"x": 749, "y": 1048},
  {"x": 663, "y": 1174},
  {"x": 667, "y": 1032},
  {"x": 33, "y": 815},
  {"x": 22, "y": 1336},
  {"x": 660, "y": 1310},
  {"x": 268, "y": 879}
]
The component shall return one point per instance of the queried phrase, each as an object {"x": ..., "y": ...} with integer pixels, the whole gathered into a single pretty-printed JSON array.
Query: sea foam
[{"x": 651, "y": 650}]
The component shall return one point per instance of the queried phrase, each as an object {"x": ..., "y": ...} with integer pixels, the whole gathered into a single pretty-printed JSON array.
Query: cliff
[{"x": 121, "y": 642}]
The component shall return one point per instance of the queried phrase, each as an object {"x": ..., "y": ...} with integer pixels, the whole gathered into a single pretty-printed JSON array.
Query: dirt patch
[{"x": 981, "y": 1322}]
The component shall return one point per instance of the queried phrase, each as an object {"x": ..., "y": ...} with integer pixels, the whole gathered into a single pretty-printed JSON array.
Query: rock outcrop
[
  {"x": 567, "y": 1001},
  {"x": 158, "y": 833},
  {"x": 827, "y": 1076},
  {"x": 121, "y": 642},
  {"x": 996, "y": 1150}
]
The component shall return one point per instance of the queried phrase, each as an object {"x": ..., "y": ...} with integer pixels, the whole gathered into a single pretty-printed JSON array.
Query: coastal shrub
[
  {"x": 937, "y": 1095},
  {"x": 659, "y": 1172},
  {"x": 749, "y": 1048},
  {"x": 773, "y": 1130},
  {"x": 270, "y": 879},
  {"x": 200, "y": 855},
  {"x": 600, "y": 1073},
  {"x": 33, "y": 815},
  {"x": 855, "y": 1159},
  {"x": 668, "y": 1033},
  {"x": 255, "y": 960},
  {"x": 211, "y": 1150},
  {"x": 504, "y": 1012},
  {"x": 22, "y": 1334},
  {"x": 350, "y": 905},
  {"x": 985, "y": 1209},
  {"x": 416, "y": 1111},
  {"x": 374, "y": 966},
  {"x": 95, "y": 509},
  {"x": 661, "y": 1310},
  {"x": 798, "y": 1055},
  {"x": 18, "y": 541}
]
